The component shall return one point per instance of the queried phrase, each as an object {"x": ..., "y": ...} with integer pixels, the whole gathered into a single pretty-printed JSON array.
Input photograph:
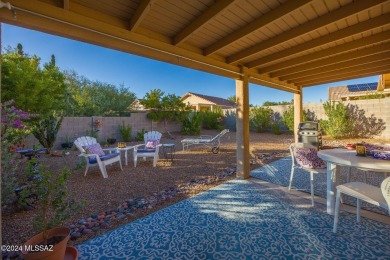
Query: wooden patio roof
[{"x": 283, "y": 44}]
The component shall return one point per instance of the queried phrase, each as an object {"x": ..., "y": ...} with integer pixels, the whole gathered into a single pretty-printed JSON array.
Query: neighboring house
[
  {"x": 137, "y": 106},
  {"x": 353, "y": 92},
  {"x": 200, "y": 102}
]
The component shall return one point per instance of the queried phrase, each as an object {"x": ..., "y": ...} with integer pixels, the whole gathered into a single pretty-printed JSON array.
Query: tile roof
[{"x": 216, "y": 100}]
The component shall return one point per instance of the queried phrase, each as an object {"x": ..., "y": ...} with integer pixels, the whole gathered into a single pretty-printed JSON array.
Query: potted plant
[
  {"x": 67, "y": 143},
  {"x": 53, "y": 207},
  {"x": 111, "y": 140}
]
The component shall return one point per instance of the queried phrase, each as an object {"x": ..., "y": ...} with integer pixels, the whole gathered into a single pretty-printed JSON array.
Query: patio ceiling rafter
[
  {"x": 322, "y": 21},
  {"x": 205, "y": 17},
  {"x": 358, "y": 66},
  {"x": 262, "y": 21},
  {"x": 336, "y": 61},
  {"x": 328, "y": 52},
  {"x": 142, "y": 10}
]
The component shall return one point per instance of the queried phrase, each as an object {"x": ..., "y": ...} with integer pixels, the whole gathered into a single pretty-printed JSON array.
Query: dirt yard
[{"x": 149, "y": 188}]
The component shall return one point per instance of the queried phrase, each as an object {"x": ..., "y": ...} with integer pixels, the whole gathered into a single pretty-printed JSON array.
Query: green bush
[
  {"x": 260, "y": 119},
  {"x": 212, "y": 119},
  {"x": 288, "y": 118},
  {"x": 339, "y": 123},
  {"x": 46, "y": 129},
  {"x": 192, "y": 123},
  {"x": 140, "y": 135},
  {"x": 275, "y": 128},
  {"x": 125, "y": 131}
]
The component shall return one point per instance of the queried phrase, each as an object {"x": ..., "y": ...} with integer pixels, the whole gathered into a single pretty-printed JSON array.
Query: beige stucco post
[
  {"x": 298, "y": 111},
  {"x": 242, "y": 126}
]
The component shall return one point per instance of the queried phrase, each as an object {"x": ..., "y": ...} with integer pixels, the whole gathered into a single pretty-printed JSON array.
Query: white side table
[{"x": 125, "y": 149}]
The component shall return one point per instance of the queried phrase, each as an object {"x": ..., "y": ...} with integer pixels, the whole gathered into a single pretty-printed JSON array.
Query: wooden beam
[
  {"x": 242, "y": 126},
  {"x": 339, "y": 49},
  {"x": 66, "y": 4},
  {"x": 367, "y": 25},
  {"x": 333, "y": 60},
  {"x": 350, "y": 72},
  {"x": 342, "y": 78},
  {"x": 143, "y": 8},
  {"x": 260, "y": 22},
  {"x": 298, "y": 112},
  {"x": 304, "y": 29},
  {"x": 200, "y": 21},
  {"x": 364, "y": 61}
]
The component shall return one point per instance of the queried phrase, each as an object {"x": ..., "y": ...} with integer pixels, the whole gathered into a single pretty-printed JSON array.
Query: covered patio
[{"x": 287, "y": 45}]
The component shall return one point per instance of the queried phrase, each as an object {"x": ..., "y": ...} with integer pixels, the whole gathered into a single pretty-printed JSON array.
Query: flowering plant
[
  {"x": 98, "y": 124},
  {"x": 13, "y": 130}
]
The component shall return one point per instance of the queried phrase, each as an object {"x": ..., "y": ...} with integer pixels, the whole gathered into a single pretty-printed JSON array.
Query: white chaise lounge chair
[{"x": 206, "y": 140}]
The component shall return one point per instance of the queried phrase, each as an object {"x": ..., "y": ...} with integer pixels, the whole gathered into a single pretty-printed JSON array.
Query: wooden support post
[
  {"x": 242, "y": 125},
  {"x": 298, "y": 112}
]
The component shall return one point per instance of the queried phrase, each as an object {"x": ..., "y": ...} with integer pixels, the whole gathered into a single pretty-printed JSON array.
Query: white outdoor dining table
[{"x": 335, "y": 158}]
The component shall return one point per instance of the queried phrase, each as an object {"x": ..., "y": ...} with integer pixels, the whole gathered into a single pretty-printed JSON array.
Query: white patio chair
[
  {"x": 151, "y": 147},
  {"x": 93, "y": 159},
  {"x": 297, "y": 165},
  {"x": 206, "y": 140},
  {"x": 363, "y": 191}
]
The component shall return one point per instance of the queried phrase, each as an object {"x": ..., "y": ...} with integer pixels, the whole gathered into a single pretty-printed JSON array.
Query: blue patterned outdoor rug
[
  {"x": 242, "y": 220},
  {"x": 278, "y": 172}
]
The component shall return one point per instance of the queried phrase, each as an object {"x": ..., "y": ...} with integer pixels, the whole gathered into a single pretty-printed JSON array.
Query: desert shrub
[
  {"x": 260, "y": 119},
  {"x": 288, "y": 118},
  {"x": 46, "y": 129},
  {"x": 212, "y": 119},
  {"x": 125, "y": 131},
  {"x": 339, "y": 123},
  {"x": 275, "y": 128},
  {"x": 192, "y": 123}
]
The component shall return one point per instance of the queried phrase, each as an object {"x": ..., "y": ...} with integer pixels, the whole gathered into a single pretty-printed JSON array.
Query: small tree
[
  {"x": 212, "y": 119},
  {"x": 165, "y": 107},
  {"x": 192, "y": 123},
  {"x": 260, "y": 118}
]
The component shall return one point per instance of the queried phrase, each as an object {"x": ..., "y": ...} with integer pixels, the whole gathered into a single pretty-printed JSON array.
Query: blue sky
[{"x": 140, "y": 74}]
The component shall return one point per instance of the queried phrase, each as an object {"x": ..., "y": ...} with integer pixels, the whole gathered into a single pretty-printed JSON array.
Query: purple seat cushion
[
  {"x": 103, "y": 158},
  {"x": 307, "y": 157},
  {"x": 94, "y": 149}
]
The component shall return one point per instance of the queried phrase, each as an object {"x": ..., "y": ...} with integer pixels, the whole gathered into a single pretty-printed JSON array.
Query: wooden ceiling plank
[
  {"x": 361, "y": 75},
  {"x": 338, "y": 49},
  {"x": 333, "y": 60},
  {"x": 143, "y": 8},
  {"x": 200, "y": 21},
  {"x": 368, "y": 25},
  {"x": 322, "y": 21},
  {"x": 66, "y": 4},
  {"x": 264, "y": 20},
  {"x": 370, "y": 61},
  {"x": 347, "y": 72}
]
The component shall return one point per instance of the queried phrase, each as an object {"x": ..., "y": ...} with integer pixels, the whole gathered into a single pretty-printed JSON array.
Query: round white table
[{"x": 335, "y": 158}]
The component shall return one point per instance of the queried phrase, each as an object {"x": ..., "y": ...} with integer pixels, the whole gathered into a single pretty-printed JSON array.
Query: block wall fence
[
  {"x": 375, "y": 108},
  {"x": 73, "y": 127}
]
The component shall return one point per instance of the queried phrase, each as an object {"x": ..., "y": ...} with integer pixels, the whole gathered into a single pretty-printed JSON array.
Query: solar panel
[{"x": 362, "y": 87}]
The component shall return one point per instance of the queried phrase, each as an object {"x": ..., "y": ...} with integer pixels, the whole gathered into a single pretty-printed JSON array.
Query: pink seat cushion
[
  {"x": 307, "y": 157},
  {"x": 94, "y": 149},
  {"x": 152, "y": 144}
]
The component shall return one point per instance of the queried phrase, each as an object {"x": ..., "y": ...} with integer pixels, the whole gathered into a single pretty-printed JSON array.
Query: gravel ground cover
[{"x": 136, "y": 192}]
